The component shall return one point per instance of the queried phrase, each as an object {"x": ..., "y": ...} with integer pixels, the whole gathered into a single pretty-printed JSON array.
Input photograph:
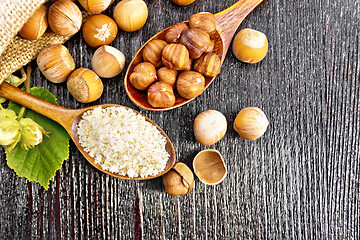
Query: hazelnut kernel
[{"x": 190, "y": 84}]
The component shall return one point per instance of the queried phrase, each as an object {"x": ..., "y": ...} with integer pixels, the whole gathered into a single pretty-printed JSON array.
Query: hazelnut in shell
[
  {"x": 143, "y": 75},
  {"x": 174, "y": 33},
  {"x": 56, "y": 63},
  {"x": 36, "y": 25},
  {"x": 250, "y": 46},
  {"x": 64, "y": 18},
  {"x": 251, "y": 123},
  {"x": 130, "y": 15},
  {"x": 208, "y": 64},
  {"x": 84, "y": 85},
  {"x": 152, "y": 52},
  {"x": 190, "y": 84},
  {"x": 167, "y": 75},
  {"x": 95, "y": 6},
  {"x": 197, "y": 42},
  {"x": 161, "y": 95},
  {"x": 183, "y": 2},
  {"x": 108, "y": 61},
  {"x": 175, "y": 56},
  {"x": 205, "y": 21},
  {"x": 99, "y": 30},
  {"x": 179, "y": 180},
  {"x": 209, "y": 127}
]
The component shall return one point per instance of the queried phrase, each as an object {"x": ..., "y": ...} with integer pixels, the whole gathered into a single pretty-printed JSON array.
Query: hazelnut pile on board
[{"x": 179, "y": 62}]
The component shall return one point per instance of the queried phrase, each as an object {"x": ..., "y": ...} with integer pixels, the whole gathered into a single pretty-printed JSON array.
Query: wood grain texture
[{"x": 299, "y": 181}]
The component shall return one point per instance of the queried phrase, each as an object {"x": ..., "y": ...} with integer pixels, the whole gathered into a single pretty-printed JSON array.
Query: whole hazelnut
[
  {"x": 197, "y": 42},
  {"x": 251, "y": 123},
  {"x": 36, "y": 25},
  {"x": 174, "y": 33},
  {"x": 183, "y": 2},
  {"x": 167, "y": 75},
  {"x": 190, "y": 84},
  {"x": 175, "y": 56},
  {"x": 189, "y": 65},
  {"x": 161, "y": 95},
  {"x": 208, "y": 64},
  {"x": 108, "y": 61},
  {"x": 96, "y": 6},
  {"x": 205, "y": 21},
  {"x": 179, "y": 180},
  {"x": 144, "y": 74},
  {"x": 152, "y": 52}
]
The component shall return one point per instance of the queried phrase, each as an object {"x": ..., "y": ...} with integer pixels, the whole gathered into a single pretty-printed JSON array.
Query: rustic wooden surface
[{"x": 299, "y": 181}]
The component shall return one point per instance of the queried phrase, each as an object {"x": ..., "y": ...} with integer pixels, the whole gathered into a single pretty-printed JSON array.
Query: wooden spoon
[
  {"x": 227, "y": 22},
  {"x": 69, "y": 119}
]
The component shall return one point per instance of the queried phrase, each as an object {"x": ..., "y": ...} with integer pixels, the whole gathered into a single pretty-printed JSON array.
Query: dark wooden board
[{"x": 299, "y": 181}]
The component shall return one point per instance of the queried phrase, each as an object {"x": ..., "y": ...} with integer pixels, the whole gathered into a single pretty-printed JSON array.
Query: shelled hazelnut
[
  {"x": 143, "y": 76},
  {"x": 174, "y": 33},
  {"x": 99, "y": 29},
  {"x": 167, "y": 75},
  {"x": 152, "y": 52},
  {"x": 190, "y": 84},
  {"x": 197, "y": 42},
  {"x": 36, "y": 25},
  {"x": 179, "y": 180},
  {"x": 208, "y": 64},
  {"x": 95, "y": 6},
  {"x": 175, "y": 56},
  {"x": 161, "y": 95},
  {"x": 205, "y": 21}
]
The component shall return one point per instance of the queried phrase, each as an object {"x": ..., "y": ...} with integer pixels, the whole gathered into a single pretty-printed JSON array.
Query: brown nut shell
[
  {"x": 197, "y": 42},
  {"x": 161, "y": 95},
  {"x": 36, "y": 25},
  {"x": 143, "y": 76},
  {"x": 179, "y": 180},
  {"x": 251, "y": 123},
  {"x": 205, "y": 21},
  {"x": 152, "y": 52},
  {"x": 175, "y": 56},
  {"x": 183, "y": 2},
  {"x": 167, "y": 75},
  {"x": 95, "y": 6},
  {"x": 208, "y": 64},
  {"x": 64, "y": 18},
  {"x": 84, "y": 85},
  {"x": 174, "y": 33},
  {"x": 209, "y": 127},
  {"x": 190, "y": 84}
]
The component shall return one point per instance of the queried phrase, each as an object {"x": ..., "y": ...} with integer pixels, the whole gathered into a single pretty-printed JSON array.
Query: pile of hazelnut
[{"x": 179, "y": 62}]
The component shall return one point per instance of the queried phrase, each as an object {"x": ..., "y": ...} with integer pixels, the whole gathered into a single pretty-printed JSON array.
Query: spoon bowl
[
  {"x": 69, "y": 119},
  {"x": 227, "y": 22}
]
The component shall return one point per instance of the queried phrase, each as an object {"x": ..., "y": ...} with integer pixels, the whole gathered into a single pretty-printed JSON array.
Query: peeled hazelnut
[
  {"x": 143, "y": 76},
  {"x": 174, "y": 33},
  {"x": 84, "y": 85},
  {"x": 36, "y": 25},
  {"x": 175, "y": 56},
  {"x": 251, "y": 123},
  {"x": 208, "y": 64},
  {"x": 108, "y": 62},
  {"x": 183, "y": 2},
  {"x": 167, "y": 75},
  {"x": 131, "y": 15},
  {"x": 99, "y": 29},
  {"x": 209, "y": 127},
  {"x": 250, "y": 46},
  {"x": 205, "y": 21},
  {"x": 95, "y": 6},
  {"x": 161, "y": 95},
  {"x": 197, "y": 42},
  {"x": 179, "y": 180},
  {"x": 152, "y": 52},
  {"x": 56, "y": 63},
  {"x": 190, "y": 84},
  {"x": 64, "y": 18}
]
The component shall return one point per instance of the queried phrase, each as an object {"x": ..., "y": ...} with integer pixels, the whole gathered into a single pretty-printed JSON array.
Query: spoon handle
[
  {"x": 228, "y": 21},
  {"x": 63, "y": 116}
]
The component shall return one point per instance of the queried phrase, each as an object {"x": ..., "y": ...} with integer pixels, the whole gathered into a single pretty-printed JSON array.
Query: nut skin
[
  {"x": 95, "y": 6},
  {"x": 56, "y": 63},
  {"x": 183, "y": 2},
  {"x": 36, "y": 25},
  {"x": 108, "y": 61},
  {"x": 99, "y": 30},
  {"x": 197, "y": 42},
  {"x": 190, "y": 84},
  {"x": 130, "y": 15},
  {"x": 208, "y": 64},
  {"x": 143, "y": 76},
  {"x": 179, "y": 180},
  {"x": 251, "y": 123},
  {"x": 189, "y": 65},
  {"x": 152, "y": 52},
  {"x": 167, "y": 75},
  {"x": 161, "y": 95},
  {"x": 64, "y": 18},
  {"x": 205, "y": 21},
  {"x": 174, "y": 33},
  {"x": 84, "y": 85},
  {"x": 175, "y": 56},
  {"x": 250, "y": 46}
]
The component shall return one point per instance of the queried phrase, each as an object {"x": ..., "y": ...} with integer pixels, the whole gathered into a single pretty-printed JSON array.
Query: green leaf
[{"x": 40, "y": 163}]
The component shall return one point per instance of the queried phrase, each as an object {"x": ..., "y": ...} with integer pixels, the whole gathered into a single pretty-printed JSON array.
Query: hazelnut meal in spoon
[{"x": 177, "y": 64}]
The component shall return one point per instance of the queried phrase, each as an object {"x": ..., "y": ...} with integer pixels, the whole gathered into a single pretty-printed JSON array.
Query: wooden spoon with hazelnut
[
  {"x": 227, "y": 23},
  {"x": 69, "y": 119}
]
